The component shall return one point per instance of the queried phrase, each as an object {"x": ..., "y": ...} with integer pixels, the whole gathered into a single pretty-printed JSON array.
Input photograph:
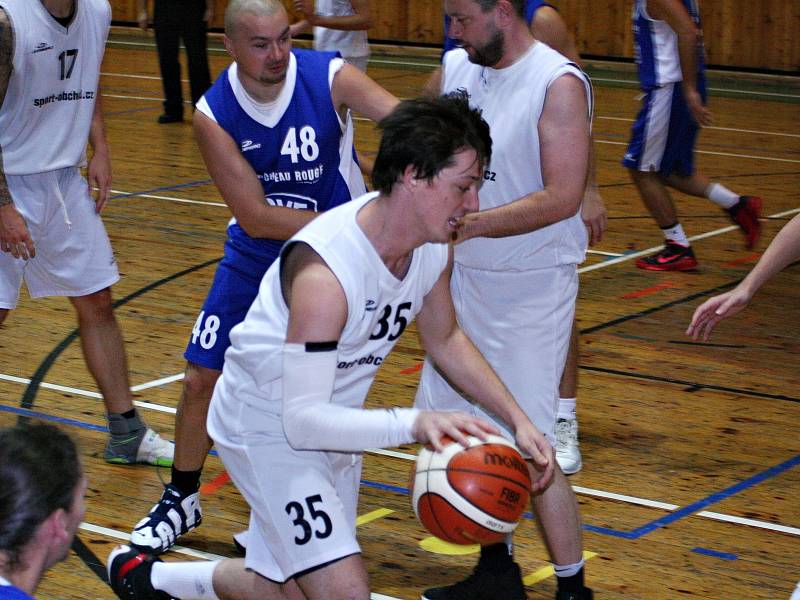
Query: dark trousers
[{"x": 174, "y": 20}]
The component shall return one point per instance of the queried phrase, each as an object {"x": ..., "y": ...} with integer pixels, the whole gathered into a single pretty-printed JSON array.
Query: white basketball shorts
[
  {"x": 521, "y": 322},
  {"x": 303, "y": 503},
  {"x": 73, "y": 252}
]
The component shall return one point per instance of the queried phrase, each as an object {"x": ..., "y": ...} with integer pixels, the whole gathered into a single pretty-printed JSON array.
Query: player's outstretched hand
[
  {"x": 713, "y": 310},
  {"x": 534, "y": 444},
  {"x": 431, "y": 427}
]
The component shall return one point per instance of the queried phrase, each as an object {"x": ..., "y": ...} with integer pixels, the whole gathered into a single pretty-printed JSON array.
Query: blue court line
[
  {"x": 715, "y": 553},
  {"x": 630, "y": 535},
  {"x": 26, "y": 412},
  {"x": 163, "y": 189}
]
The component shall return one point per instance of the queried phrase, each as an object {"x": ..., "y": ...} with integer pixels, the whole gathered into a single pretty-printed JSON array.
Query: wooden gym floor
[{"x": 691, "y": 450}]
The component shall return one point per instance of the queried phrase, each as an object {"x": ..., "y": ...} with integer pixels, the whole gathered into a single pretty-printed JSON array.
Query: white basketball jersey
[
  {"x": 348, "y": 43},
  {"x": 379, "y": 306},
  {"x": 511, "y": 100},
  {"x": 47, "y": 111}
]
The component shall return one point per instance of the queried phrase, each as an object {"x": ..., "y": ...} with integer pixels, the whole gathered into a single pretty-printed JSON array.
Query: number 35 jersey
[
  {"x": 47, "y": 111},
  {"x": 299, "y": 148},
  {"x": 379, "y": 308}
]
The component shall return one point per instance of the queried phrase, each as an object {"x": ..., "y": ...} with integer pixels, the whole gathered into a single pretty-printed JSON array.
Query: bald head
[{"x": 259, "y": 8}]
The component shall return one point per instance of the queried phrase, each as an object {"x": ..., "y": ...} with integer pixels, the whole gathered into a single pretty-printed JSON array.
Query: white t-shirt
[
  {"x": 47, "y": 112},
  {"x": 350, "y": 44},
  {"x": 511, "y": 101}
]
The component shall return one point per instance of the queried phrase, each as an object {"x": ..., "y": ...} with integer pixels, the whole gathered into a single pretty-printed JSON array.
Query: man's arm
[
  {"x": 461, "y": 362},
  {"x": 564, "y": 149},
  {"x": 317, "y": 317},
  {"x": 549, "y": 27},
  {"x": 357, "y": 91},
  {"x": 239, "y": 185},
  {"x": 689, "y": 39},
  {"x": 782, "y": 251},
  {"x": 359, "y": 20},
  {"x": 99, "y": 171},
  {"x": 14, "y": 235}
]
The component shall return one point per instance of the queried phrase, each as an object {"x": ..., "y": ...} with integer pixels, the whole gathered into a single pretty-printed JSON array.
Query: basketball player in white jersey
[
  {"x": 333, "y": 305},
  {"x": 339, "y": 25},
  {"x": 515, "y": 279},
  {"x": 548, "y": 26},
  {"x": 51, "y": 234}
]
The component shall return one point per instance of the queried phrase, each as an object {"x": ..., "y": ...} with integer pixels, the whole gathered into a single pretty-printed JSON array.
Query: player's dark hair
[
  {"x": 39, "y": 471},
  {"x": 427, "y": 133}
]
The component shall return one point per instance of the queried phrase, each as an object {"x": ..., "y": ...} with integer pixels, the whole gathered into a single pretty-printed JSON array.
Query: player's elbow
[{"x": 298, "y": 434}]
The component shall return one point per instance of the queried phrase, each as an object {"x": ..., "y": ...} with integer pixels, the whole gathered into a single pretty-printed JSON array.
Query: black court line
[
  {"x": 692, "y": 386},
  {"x": 650, "y": 311},
  {"x": 36, "y": 379},
  {"x": 89, "y": 558}
]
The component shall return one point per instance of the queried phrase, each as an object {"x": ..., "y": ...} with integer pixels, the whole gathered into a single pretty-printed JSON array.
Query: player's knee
[
  {"x": 95, "y": 308},
  {"x": 3, "y": 314},
  {"x": 198, "y": 384}
]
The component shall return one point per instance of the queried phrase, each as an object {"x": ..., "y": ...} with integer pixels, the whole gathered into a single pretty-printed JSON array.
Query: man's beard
[{"x": 491, "y": 53}]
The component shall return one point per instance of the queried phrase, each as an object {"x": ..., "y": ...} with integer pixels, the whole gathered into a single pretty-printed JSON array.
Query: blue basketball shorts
[
  {"x": 235, "y": 286},
  {"x": 664, "y": 133}
]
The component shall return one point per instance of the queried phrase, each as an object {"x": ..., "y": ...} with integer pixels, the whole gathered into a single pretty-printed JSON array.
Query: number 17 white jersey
[{"x": 47, "y": 112}]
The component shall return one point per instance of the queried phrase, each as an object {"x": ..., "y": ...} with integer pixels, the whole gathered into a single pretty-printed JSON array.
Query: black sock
[
  {"x": 573, "y": 583},
  {"x": 496, "y": 556},
  {"x": 188, "y": 482},
  {"x": 130, "y": 414}
]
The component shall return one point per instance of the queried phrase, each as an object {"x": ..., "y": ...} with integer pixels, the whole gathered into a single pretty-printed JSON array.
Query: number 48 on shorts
[{"x": 205, "y": 330}]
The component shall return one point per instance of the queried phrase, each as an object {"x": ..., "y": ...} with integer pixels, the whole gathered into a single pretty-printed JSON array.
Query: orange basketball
[{"x": 473, "y": 495}]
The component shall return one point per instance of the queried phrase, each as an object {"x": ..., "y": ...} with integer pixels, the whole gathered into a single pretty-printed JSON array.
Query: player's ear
[
  {"x": 504, "y": 12},
  {"x": 409, "y": 177}
]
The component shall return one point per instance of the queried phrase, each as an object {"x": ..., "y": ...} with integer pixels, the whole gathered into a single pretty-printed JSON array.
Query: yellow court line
[
  {"x": 548, "y": 571},
  {"x": 371, "y": 516}
]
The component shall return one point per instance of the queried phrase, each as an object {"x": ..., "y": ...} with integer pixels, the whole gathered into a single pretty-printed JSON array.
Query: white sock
[
  {"x": 721, "y": 196},
  {"x": 568, "y": 570},
  {"x": 187, "y": 580},
  {"x": 676, "y": 234},
  {"x": 566, "y": 408}
]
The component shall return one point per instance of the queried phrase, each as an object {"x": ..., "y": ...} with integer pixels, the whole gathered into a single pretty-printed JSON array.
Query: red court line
[
  {"x": 650, "y": 290},
  {"x": 414, "y": 369},
  {"x": 743, "y": 260},
  {"x": 216, "y": 483}
]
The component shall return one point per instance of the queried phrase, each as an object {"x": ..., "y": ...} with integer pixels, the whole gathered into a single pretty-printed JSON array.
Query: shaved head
[{"x": 259, "y": 8}]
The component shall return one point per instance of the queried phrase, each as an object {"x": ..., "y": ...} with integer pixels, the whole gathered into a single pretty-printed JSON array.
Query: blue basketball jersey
[
  {"x": 531, "y": 6},
  {"x": 656, "y": 47},
  {"x": 304, "y": 157}
]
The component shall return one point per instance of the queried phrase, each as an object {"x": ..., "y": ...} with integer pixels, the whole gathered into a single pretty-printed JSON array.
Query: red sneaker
[
  {"x": 745, "y": 214},
  {"x": 673, "y": 257}
]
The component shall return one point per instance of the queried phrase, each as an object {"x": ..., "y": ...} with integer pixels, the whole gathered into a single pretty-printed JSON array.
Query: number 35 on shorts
[{"x": 205, "y": 330}]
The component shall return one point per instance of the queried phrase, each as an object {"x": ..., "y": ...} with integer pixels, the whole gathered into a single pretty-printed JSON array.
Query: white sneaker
[
  {"x": 568, "y": 452},
  {"x": 155, "y": 450},
  {"x": 796, "y": 594}
]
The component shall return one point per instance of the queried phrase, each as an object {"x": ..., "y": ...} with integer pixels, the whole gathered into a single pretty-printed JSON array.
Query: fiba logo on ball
[{"x": 472, "y": 495}]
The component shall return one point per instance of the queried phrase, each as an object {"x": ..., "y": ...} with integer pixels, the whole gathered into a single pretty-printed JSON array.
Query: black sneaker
[
  {"x": 174, "y": 515},
  {"x": 129, "y": 575},
  {"x": 483, "y": 584},
  {"x": 746, "y": 214},
  {"x": 673, "y": 257},
  {"x": 584, "y": 594}
]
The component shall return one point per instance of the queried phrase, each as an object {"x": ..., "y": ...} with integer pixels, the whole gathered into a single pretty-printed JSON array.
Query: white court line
[
  {"x": 87, "y": 393},
  {"x": 796, "y": 135},
  {"x": 632, "y": 255},
  {"x": 169, "y": 198},
  {"x": 639, "y": 501},
  {"x": 712, "y": 153},
  {"x": 602, "y": 253},
  {"x": 410, "y": 457},
  {"x": 113, "y": 533},
  {"x": 157, "y": 382}
]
